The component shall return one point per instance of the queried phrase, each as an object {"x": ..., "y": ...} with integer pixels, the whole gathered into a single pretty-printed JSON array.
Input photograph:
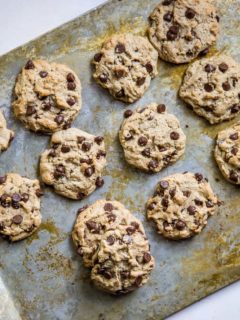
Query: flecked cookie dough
[
  {"x": 113, "y": 243},
  {"x": 6, "y": 135},
  {"x": 227, "y": 153},
  {"x": 48, "y": 96},
  {"x": 125, "y": 66},
  {"x": 212, "y": 87},
  {"x": 74, "y": 163},
  {"x": 151, "y": 138},
  {"x": 19, "y": 206},
  {"x": 181, "y": 205},
  {"x": 181, "y": 29}
]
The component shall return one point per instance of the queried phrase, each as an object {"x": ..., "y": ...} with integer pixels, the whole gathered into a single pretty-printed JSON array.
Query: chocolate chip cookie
[
  {"x": 212, "y": 87},
  {"x": 151, "y": 138},
  {"x": 48, "y": 96},
  {"x": 6, "y": 135},
  {"x": 227, "y": 153},
  {"x": 181, "y": 205},
  {"x": 112, "y": 242},
  {"x": 125, "y": 66},
  {"x": 19, "y": 206},
  {"x": 181, "y": 29},
  {"x": 74, "y": 163}
]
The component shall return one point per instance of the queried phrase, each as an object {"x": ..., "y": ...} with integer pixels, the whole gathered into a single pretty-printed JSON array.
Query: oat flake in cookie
[
  {"x": 212, "y": 87},
  {"x": 48, "y": 96},
  {"x": 19, "y": 206},
  {"x": 181, "y": 29},
  {"x": 6, "y": 135},
  {"x": 181, "y": 205},
  {"x": 74, "y": 163},
  {"x": 112, "y": 242},
  {"x": 151, "y": 138},
  {"x": 227, "y": 153},
  {"x": 125, "y": 66}
]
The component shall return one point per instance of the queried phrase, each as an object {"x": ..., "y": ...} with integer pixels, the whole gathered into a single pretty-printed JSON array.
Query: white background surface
[{"x": 23, "y": 20}]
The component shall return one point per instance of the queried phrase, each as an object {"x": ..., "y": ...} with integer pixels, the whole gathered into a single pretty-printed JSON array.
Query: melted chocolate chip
[
  {"x": 89, "y": 171},
  {"x": 80, "y": 251},
  {"x": 146, "y": 152},
  {"x": 223, "y": 67},
  {"x": 29, "y": 65},
  {"x": 168, "y": 16},
  {"x": 98, "y": 57},
  {"x": 149, "y": 67},
  {"x": 172, "y": 193},
  {"x": 93, "y": 226},
  {"x": 140, "y": 81},
  {"x": 43, "y": 74},
  {"x": 120, "y": 94},
  {"x": 190, "y": 13},
  {"x": 210, "y": 68},
  {"x": 111, "y": 217},
  {"x": 235, "y": 108},
  {"x": 226, "y": 86},
  {"x": 127, "y": 113},
  {"x": 3, "y": 179},
  {"x": 65, "y": 149},
  {"x": 99, "y": 140},
  {"x": 59, "y": 171},
  {"x": 204, "y": 52},
  {"x": 105, "y": 273},
  {"x": 198, "y": 177},
  {"x": 153, "y": 164},
  {"x": 138, "y": 281},
  {"x": 71, "y": 86},
  {"x": 30, "y": 109},
  {"x": 82, "y": 209},
  {"x": 164, "y": 184},
  {"x": 198, "y": 202},
  {"x": 108, "y": 207},
  {"x": 17, "y": 219},
  {"x": 71, "y": 101},
  {"x": 99, "y": 182},
  {"x": 80, "y": 139},
  {"x": 142, "y": 141},
  {"x": 110, "y": 240},
  {"x": 16, "y": 197},
  {"x": 120, "y": 48},
  {"x": 100, "y": 154},
  {"x": 161, "y": 108},
  {"x": 70, "y": 77},
  {"x": 125, "y": 274},
  {"x": 152, "y": 206},
  {"x": 174, "y": 135},
  {"x": 25, "y": 197},
  {"x": 208, "y": 87},
  {"x": 191, "y": 210},
  {"x": 80, "y": 195},
  {"x": 209, "y": 204},
  {"x": 165, "y": 203},
  {"x": 233, "y": 176},
  {"x": 103, "y": 78},
  {"x": 234, "y": 136},
  {"x": 180, "y": 225},
  {"x": 234, "y": 151},
  {"x": 39, "y": 193},
  {"x": 172, "y": 33},
  {"x": 59, "y": 119},
  {"x": 167, "y": 2},
  {"x": 146, "y": 257},
  {"x": 86, "y": 146},
  {"x": 187, "y": 193},
  {"x": 119, "y": 74}
]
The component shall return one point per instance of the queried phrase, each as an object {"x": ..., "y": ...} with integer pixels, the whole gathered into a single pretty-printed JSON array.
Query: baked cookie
[
  {"x": 19, "y": 206},
  {"x": 48, "y": 96},
  {"x": 125, "y": 66},
  {"x": 113, "y": 243},
  {"x": 181, "y": 29},
  {"x": 151, "y": 138},
  {"x": 181, "y": 205},
  {"x": 74, "y": 163},
  {"x": 6, "y": 135},
  {"x": 227, "y": 153},
  {"x": 212, "y": 87}
]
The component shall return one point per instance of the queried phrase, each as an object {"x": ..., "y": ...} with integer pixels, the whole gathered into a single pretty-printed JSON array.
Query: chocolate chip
[
  {"x": 180, "y": 225},
  {"x": 17, "y": 219},
  {"x": 190, "y": 13},
  {"x": 208, "y": 87},
  {"x": 98, "y": 57},
  {"x": 149, "y": 67},
  {"x": 138, "y": 281},
  {"x": 198, "y": 177},
  {"x": 93, "y": 226},
  {"x": 71, "y": 101},
  {"x": 187, "y": 193},
  {"x": 71, "y": 85},
  {"x": 223, "y": 67},
  {"x": 234, "y": 151},
  {"x": 59, "y": 171},
  {"x": 30, "y": 109},
  {"x": 140, "y": 81},
  {"x": 226, "y": 86},
  {"x": 25, "y": 197},
  {"x": 120, "y": 94},
  {"x": 39, "y": 193},
  {"x": 5, "y": 200},
  {"x": 110, "y": 240},
  {"x": 80, "y": 251},
  {"x": 125, "y": 274},
  {"x": 111, "y": 217},
  {"x": 70, "y": 77},
  {"x": 86, "y": 146},
  {"x": 127, "y": 113},
  {"x": 105, "y": 273},
  {"x": 99, "y": 182},
  {"x": 165, "y": 203},
  {"x": 146, "y": 257},
  {"x": 209, "y": 204},
  {"x": 164, "y": 184},
  {"x": 108, "y": 207},
  {"x": 235, "y": 108},
  {"x": 82, "y": 209},
  {"x": 59, "y": 119},
  {"x": 172, "y": 193},
  {"x": 152, "y": 206},
  {"x": 233, "y": 176},
  {"x": 3, "y": 179},
  {"x": 43, "y": 74},
  {"x": 191, "y": 210},
  {"x": 80, "y": 195},
  {"x": 198, "y": 202},
  {"x": 129, "y": 135},
  {"x": 146, "y": 152},
  {"x": 100, "y": 154},
  {"x": 135, "y": 225},
  {"x": 165, "y": 225},
  {"x": 130, "y": 230},
  {"x": 99, "y": 140},
  {"x": 161, "y": 108},
  {"x": 153, "y": 164},
  {"x": 162, "y": 148},
  {"x": 119, "y": 74},
  {"x": 234, "y": 136},
  {"x": 89, "y": 171},
  {"x": 204, "y": 52},
  {"x": 174, "y": 135},
  {"x": 167, "y": 2},
  {"x": 103, "y": 78},
  {"x": 142, "y": 141},
  {"x": 172, "y": 33},
  {"x": 80, "y": 139},
  {"x": 210, "y": 68},
  {"x": 16, "y": 197},
  {"x": 168, "y": 17},
  {"x": 29, "y": 65},
  {"x": 120, "y": 48},
  {"x": 65, "y": 149}
]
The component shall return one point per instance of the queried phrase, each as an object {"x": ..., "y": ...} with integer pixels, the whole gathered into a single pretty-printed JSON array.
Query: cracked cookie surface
[
  {"x": 181, "y": 29},
  {"x": 211, "y": 87},
  {"x": 181, "y": 205},
  {"x": 19, "y": 206},
  {"x": 151, "y": 138},
  {"x": 113, "y": 243},
  {"x": 48, "y": 96},
  {"x": 6, "y": 135},
  {"x": 125, "y": 66},
  {"x": 227, "y": 153},
  {"x": 74, "y": 163}
]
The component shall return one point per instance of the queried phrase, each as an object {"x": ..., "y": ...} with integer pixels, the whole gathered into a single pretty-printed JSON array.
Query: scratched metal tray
[{"x": 42, "y": 277}]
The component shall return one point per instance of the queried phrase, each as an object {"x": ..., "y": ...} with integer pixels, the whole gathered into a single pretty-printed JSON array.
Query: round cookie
[
  {"x": 151, "y": 138},
  {"x": 181, "y": 29},
  {"x": 19, "y": 206},
  {"x": 227, "y": 153},
  {"x": 74, "y": 163},
  {"x": 212, "y": 87},
  {"x": 6, "y": 135},
  {"x": 48, "y": 96},
  {"x": 113, "y": 243},
  {"x": 181, "y": 205},
  {"x": 125, "y": 66}
]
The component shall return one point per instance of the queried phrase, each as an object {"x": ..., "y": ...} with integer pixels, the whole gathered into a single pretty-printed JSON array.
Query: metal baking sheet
[{"x": 42, "y": 277}]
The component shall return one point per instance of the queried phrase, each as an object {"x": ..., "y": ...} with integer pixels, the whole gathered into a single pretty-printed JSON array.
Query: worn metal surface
[{"x": 43, "y": 277}]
